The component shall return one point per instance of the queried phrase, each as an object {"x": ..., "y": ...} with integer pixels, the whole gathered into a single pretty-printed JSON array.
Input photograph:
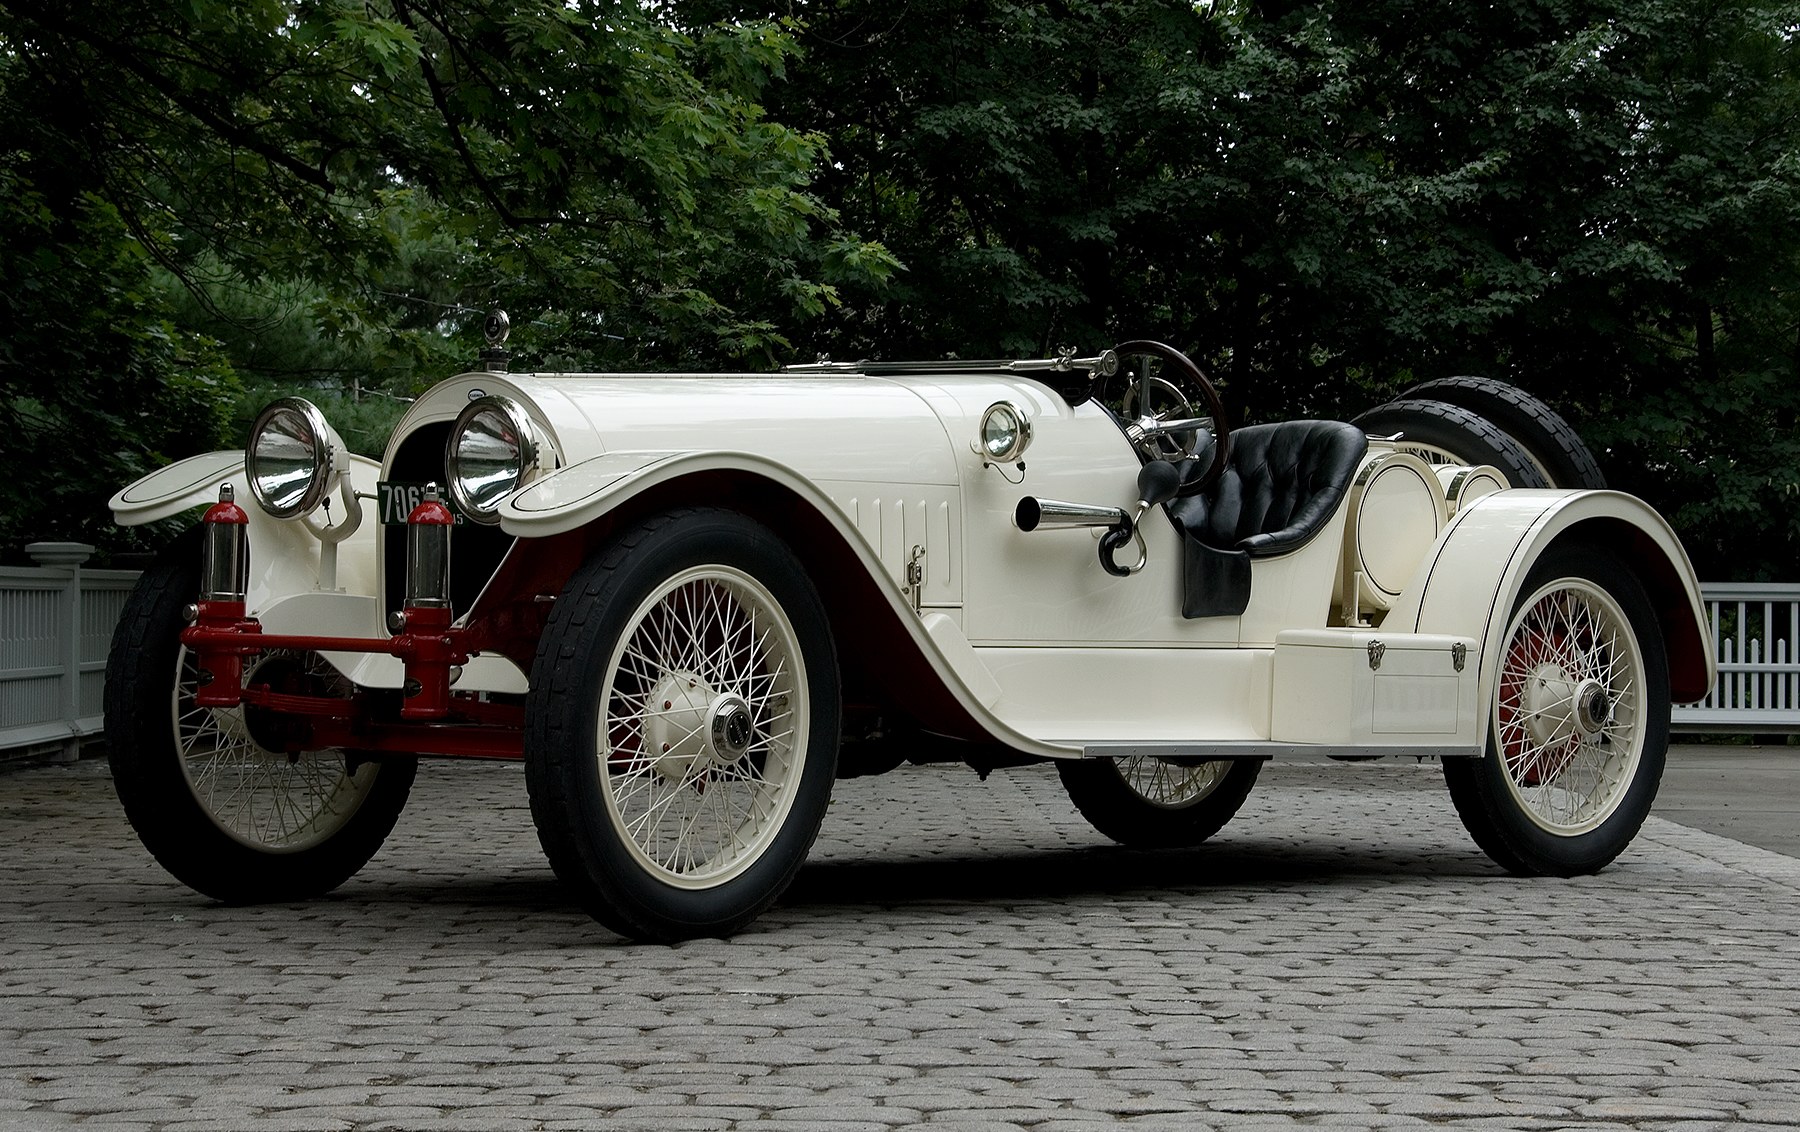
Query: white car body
[{"x": 1381, "y": 635}]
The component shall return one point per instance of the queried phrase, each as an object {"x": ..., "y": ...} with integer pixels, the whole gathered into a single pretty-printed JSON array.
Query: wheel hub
[
  {"x": 692, "y": 727},
  {"x": 1558, "y": 707},
  {"x": 1593, "y": 707},
  {"x": 731, "y": 728}
]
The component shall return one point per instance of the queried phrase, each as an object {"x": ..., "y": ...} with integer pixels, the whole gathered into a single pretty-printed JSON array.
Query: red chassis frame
[{"x": 433, "y": 719}]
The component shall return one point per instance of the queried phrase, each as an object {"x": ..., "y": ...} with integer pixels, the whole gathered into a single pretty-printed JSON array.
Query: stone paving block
[
  {"x": 783, "y": 1124},
  {"x": 686, "y": 1116},
  {"x": 957, "y": 954},
  {"x": 472, "y": 1120},
  {"x": 256, "y": 1122}
]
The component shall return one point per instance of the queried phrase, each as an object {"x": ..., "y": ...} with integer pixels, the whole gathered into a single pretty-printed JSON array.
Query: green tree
[
  {"x": 591, "y": 160},
  {"x": 1327, "y": 201}
]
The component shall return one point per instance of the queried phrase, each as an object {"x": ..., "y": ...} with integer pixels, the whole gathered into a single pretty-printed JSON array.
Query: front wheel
[
  {"x": 1148, "y": 803},
  {"x": 683, "y": 726},
  {"x": 215, "y": 794},
  {"x": 1578, "y": 724}
]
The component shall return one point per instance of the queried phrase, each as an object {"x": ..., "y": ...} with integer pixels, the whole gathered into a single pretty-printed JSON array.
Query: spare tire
[
  {"x": 1450, "y": 434},
  {"x": 1556, "y": 449}
]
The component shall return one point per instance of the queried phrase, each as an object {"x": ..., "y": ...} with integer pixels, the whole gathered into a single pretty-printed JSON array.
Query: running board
[{"x": 1286, "y": 752}]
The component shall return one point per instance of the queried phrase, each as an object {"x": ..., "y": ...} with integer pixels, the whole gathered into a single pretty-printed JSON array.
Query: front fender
[
  {"x": 283, "y": 589},
  {"x": 578, "y": 495},
  {"x": 170, "y": 490},
  {"x": 1473, "y": 578}
]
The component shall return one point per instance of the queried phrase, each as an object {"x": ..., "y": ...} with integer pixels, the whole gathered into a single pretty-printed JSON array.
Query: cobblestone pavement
[{"x": 958, "y": 954}]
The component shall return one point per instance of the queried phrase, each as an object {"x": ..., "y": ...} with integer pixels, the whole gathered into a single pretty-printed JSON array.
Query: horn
[{"x": 1035, "y": 514}]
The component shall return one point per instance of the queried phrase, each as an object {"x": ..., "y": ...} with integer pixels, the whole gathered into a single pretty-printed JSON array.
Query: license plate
[{"x": 395, "y": 501}]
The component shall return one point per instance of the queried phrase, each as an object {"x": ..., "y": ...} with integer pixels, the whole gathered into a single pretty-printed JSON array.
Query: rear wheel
[
  {"x": 1578, "y": 724},
  {"x": 214, "y": 793},
  {"x": 683, "y": 726},
  {"x": 1449, "y": 434},
  {"x": 1148, "y": 803}
]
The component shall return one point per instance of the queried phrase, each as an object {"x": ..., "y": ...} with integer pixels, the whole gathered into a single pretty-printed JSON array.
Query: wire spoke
[{"x": 1571, "y": 644}]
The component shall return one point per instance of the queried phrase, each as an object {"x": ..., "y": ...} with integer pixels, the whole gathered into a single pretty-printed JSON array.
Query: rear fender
[{"x": 1469, "y": 584}]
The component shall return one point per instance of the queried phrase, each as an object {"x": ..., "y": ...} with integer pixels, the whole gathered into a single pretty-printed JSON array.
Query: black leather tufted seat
[
  {"x": 1281, "y": 482},
  {"x": 1280, "y": 485}
]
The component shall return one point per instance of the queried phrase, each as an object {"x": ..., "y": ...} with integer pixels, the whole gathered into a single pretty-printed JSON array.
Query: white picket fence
[
  {"x": 1756, "y": 633},
  {"x": 56, "y": 624}
]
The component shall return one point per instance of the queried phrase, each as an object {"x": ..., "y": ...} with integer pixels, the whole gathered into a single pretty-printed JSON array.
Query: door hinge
[{"x": 915, "y": 578}]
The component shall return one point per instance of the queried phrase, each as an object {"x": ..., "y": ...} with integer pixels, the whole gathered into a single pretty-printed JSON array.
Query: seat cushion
[{"x": 1280, "y": 485}]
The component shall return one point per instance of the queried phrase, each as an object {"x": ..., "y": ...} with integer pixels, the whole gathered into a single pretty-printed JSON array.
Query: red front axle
[{"x": 431, "y": 718}]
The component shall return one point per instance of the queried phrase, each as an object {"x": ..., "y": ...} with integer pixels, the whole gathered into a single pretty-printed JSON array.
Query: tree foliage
[
  {"x": 97, "y": 386},
  {"x": 1327, "y": 201},
  {"x": 1324, "y": 201}
]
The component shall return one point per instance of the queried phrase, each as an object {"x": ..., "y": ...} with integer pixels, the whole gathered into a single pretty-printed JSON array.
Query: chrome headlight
[
  {"x": 294, "y": 458},
  {"x": 1005, "y": 433},
  {"x": 492, "y": 451}
]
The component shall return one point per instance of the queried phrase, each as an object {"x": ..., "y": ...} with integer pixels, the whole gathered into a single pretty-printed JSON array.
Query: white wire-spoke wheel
[
  {"x": 682, "y": 726},
  {"x": 1579, "y": 721},
  {"x": 705, "y": 695},
  {"x": 230, "y": 800},
  {"x": 1150, "y": 803},
  {"x": 237, "y": 764},
  {"x": 1568, "y": 727}
]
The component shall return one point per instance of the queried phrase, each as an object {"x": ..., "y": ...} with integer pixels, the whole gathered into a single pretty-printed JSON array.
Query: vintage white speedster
[{"x": 690, "y": 603}]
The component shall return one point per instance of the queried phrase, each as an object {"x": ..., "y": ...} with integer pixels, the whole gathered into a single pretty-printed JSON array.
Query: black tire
[
  {"x": 1451, "y": 434},
  {"x": 1146, "y": 803},
  {"x": 227, "y": 816},
  {"x": 1557, "y": 450},
  {"x": 1561, "y": 790},
  {"x": 610, "y": 804}
]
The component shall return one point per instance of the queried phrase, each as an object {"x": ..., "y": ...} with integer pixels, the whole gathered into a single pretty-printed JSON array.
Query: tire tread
[
  {"x": 153, "y": 789},
  {"x": 1112, "y": 807},
  {"x": 1460, "y": 430},
  {"x": 1478, "y": 787},
  {"x": 555, "y": 726},
  {"x": 1537, "y": 427}
]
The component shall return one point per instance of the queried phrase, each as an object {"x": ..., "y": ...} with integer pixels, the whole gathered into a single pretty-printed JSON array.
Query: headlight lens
[
  {"x": 1005, "y": 433},
  {"x": 290, "y": 462},
  {"x": 493, "y": 448}
]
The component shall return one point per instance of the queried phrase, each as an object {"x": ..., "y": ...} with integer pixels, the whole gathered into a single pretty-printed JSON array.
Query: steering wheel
[{"x": 1150, "y": 431}]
